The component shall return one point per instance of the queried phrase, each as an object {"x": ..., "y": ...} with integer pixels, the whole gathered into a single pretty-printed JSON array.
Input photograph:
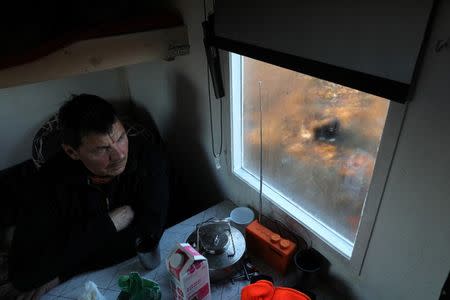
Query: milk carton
[{"x": 189, "y": 273}]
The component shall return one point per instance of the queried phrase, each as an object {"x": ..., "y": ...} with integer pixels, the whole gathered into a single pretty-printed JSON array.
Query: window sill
[{"x": 340, "y": 244}]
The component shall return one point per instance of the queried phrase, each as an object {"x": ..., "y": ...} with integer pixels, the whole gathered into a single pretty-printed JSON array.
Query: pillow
[{"x": 46, "y": 142}]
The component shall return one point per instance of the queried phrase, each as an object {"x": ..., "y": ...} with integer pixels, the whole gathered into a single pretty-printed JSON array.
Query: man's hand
[{"x": 122, "y": 217}]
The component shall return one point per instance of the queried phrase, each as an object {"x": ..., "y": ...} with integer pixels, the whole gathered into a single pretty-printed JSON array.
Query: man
[{"x": 91, "y": 202}]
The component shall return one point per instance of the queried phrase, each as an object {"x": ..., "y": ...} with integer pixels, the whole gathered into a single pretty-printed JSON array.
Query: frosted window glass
[{"x": 320, "y": 141}]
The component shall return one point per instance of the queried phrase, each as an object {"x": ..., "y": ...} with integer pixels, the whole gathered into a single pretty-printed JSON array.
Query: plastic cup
[{"x": 241, "y": 217}]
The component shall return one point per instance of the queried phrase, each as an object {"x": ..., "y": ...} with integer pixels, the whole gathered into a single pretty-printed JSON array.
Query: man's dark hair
[{"x": 85, "y": 114}]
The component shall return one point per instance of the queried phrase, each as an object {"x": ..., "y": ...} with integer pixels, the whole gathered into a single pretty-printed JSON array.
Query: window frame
[{"x": 325, "y": 239}]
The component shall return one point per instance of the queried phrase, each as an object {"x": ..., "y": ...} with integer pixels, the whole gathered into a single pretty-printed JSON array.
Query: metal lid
[
  {"x": 214, "y": 237},
  {"x": 229, "y": 257}
]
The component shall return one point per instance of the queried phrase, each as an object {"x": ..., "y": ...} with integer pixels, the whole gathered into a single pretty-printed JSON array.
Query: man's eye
[
  {"x": 121, "y": 138},
  {"x": 100, "y": 151}
]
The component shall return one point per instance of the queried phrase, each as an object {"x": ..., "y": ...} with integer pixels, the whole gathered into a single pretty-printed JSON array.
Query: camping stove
[{"x": 222, "y": 244}]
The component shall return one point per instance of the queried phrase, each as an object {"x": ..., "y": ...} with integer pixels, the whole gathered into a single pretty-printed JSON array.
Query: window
[{"x": 320, "y": 142}]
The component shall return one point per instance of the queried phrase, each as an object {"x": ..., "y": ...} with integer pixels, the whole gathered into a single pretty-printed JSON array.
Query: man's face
[{"x": 103, "y": 154}]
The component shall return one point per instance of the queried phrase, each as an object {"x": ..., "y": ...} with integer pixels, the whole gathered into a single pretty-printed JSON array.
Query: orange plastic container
[
  {"x": 265, "y": 290},
  {"x": 276, "y": 251}
]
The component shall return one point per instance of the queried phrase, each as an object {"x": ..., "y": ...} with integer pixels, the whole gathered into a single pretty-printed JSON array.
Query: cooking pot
[{"x": 222, "y": 244}]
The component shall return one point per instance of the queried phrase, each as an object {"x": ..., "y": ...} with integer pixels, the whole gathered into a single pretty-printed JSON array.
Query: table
[{"x": 106, "y": 279}]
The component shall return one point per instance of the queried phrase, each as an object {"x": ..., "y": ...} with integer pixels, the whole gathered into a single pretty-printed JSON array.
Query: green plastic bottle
[{"x": 134, "y": 287}]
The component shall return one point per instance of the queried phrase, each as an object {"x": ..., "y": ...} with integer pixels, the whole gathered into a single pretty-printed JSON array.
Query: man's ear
[{"x": 70, "y": 151}]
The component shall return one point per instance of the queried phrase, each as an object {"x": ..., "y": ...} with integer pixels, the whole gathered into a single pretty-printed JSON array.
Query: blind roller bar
[
  {"x": 390, "y": 89},
  {"x": 370, "y": 45}
]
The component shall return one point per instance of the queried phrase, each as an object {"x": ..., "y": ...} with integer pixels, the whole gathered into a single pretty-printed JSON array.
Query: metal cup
[{"x": 148, "y": 253}]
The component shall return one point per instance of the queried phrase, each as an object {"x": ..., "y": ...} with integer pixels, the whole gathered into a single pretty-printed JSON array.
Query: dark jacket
[{"x": 66, "y": 229}]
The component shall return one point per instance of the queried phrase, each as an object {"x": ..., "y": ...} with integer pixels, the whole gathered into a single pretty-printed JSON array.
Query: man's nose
[{"x": 116, "y": 153}]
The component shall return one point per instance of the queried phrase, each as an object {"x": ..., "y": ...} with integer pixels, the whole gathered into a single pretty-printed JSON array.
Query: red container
[{"x": 275, "y": 250}]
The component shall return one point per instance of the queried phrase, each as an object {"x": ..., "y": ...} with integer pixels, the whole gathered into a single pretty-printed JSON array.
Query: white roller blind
[{"x": 378, "y": 38}]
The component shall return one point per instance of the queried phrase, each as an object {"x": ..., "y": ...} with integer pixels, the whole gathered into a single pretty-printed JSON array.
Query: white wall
[
  {"x": 24, "y": 108},
  {"x": 175, "y": 94},
  {"x": 408, "y": 255}
]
